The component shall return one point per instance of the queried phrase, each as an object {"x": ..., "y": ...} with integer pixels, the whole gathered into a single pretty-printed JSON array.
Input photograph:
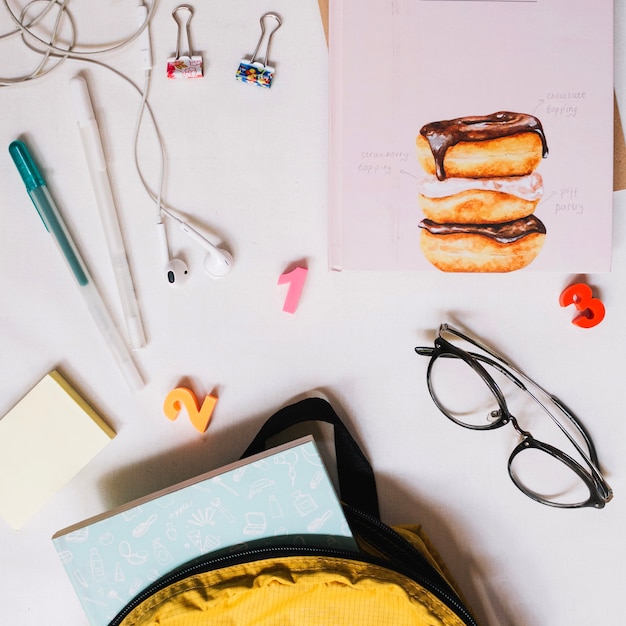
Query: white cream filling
[{"x": 526, "y": 187}]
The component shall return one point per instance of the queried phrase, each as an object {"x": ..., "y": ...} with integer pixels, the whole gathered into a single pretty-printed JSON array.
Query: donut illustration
[{"x": 480, "y": 191}]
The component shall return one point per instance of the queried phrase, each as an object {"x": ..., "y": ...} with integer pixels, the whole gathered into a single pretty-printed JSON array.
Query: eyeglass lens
[
  {"x": 540, "y": 474},
  {"x": 462, "y": 394}
]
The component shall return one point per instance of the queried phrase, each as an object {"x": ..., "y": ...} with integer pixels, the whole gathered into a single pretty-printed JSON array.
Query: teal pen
[{"x": 53, "y": 221}]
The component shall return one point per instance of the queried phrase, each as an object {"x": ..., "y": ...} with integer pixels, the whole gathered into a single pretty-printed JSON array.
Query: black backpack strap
[{"x": 356, "y": 477}]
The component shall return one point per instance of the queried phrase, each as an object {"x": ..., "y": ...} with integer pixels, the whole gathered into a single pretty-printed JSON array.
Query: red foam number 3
[
  {"x": 591, "y": 309},
  {"x": 199, "y": 416}
]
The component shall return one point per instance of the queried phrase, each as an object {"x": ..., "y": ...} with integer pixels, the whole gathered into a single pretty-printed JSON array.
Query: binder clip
[
  {"x": 253, "y": 71},
  {"x": 189, "y": 65}
]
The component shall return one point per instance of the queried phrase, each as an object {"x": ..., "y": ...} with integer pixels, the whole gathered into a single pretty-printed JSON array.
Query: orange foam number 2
[
  {"x": 199, "y": 416},
  {"x": 591, "y": 309}
]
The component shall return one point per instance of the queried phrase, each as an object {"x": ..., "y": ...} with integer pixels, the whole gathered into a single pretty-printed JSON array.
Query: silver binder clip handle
[
  {"x": 183, "y": 25},
  {"x": 277, "y": 25},
  {"x": 256, "y": 72}
]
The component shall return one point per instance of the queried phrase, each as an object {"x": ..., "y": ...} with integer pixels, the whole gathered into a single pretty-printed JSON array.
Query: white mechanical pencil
[{"x": 94, "y": 153}]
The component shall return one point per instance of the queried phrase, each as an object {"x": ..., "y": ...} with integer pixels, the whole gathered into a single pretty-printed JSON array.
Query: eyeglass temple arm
[
  {"x": 478, "y": 357},
  {"x": 447, "y": 328},
  {"x": 566, "y": 411},
  {"x": 579, "y": 426},
  {"x": 450, "y": 329}
]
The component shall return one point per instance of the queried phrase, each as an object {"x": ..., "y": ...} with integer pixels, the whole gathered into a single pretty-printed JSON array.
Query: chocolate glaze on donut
[
  {"x": 504, "y": 232},
  {"x": 447, "y": 133}
]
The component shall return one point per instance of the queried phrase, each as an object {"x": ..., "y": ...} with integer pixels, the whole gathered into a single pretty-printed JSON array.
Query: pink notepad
[{"x": 399, "y": 67}]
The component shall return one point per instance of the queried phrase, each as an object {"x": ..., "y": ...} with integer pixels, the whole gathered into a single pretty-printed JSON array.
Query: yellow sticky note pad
[{"x": 45, "y": 440}]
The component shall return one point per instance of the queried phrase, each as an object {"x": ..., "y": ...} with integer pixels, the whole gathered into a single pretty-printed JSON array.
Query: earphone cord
[
  {"x": 51, "y": 51},
  {"x": 158, "y": 197},
  {"x": 25, "y": 30}
]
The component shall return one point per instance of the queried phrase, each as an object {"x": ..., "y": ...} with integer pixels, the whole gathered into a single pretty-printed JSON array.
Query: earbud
[
  {"x": 218, "y": 265},
  {"x": 176, "y": 271},
  {"x": 218, "y": 262}
]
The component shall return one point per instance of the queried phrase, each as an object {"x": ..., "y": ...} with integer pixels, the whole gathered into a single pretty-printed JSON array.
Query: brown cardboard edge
[
  {"x": 324, "y": 13},
  {"x": 619, "y": 150}
]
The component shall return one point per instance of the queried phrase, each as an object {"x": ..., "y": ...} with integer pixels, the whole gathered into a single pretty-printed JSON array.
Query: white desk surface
[{"x": 249, "y": 165}]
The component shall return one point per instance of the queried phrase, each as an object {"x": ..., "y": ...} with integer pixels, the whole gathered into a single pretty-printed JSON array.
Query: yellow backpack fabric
[
  {"x": 397, "y": 578},
  {"x": 295, "y": 591}
]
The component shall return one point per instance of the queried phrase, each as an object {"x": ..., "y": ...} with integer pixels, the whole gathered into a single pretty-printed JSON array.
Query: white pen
[
  {"x": 53, "y": 221},
  {"x": 94, "y": 153}
]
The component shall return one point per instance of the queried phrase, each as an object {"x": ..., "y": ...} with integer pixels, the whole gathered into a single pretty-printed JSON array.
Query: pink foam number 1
[{"x": 296, "y": 279}]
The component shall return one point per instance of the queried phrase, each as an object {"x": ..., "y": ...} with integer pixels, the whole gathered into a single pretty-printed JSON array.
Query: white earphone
[
  {"x": 217, "y": 263},
  {"x": 175, "y": 270}
]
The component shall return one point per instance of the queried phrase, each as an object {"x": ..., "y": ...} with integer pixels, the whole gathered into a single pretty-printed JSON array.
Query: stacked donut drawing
[{"x": 480, "y": 192}]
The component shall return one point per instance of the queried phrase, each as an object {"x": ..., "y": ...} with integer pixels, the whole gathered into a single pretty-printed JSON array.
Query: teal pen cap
[
  {"x": 26, "y": 165},
  {"x": 28, "y": 170}
]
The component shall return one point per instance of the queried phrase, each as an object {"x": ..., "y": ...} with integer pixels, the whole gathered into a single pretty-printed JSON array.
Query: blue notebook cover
[{"x": 280, "y": 497}]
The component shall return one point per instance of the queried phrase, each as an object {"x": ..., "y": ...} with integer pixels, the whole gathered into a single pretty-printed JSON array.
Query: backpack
[{"x": 396, "y": 577}]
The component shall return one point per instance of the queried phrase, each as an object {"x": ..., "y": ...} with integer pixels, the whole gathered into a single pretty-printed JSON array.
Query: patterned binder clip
[
  {"x": 253, "y": 71},
  {"x": 189, "y": 65}
]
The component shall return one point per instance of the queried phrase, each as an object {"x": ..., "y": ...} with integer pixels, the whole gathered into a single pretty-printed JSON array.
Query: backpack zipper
[
  {"x": 425, "y": 574},
  {"x": 203, "y": 565}
]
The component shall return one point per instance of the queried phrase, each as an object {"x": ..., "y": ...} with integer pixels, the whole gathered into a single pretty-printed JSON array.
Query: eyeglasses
[{"x": 469, "y": 389}]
